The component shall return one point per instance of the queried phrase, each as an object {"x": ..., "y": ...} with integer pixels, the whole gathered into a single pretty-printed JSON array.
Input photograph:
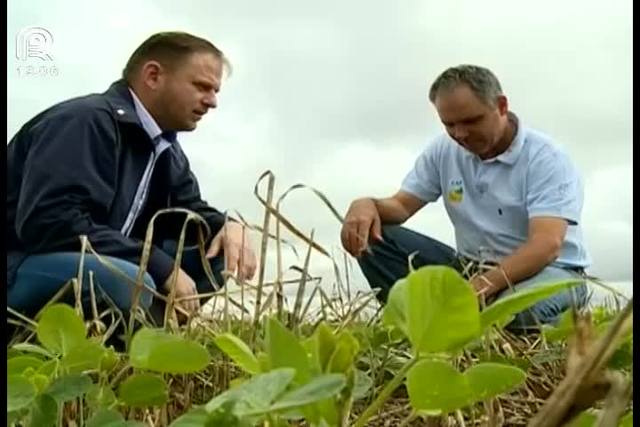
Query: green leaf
[
  {"x": 111, "y": 418},
  {"x": 85, "y": 357},
  {"x": 395, "y": 311},
  {"x": 20, "y": 392},
  {"x": 587, "y": 418},
  {"x": 627, "y": 420},
  {"x": 69, "y": 387},
  {"x": 325, "y": 343},
  {"x": 256, "y": 393},
  {"x": 435, "y": 385},
  {"x": 344, "y": 354},
  {"x": 194, "y": 418},
  {"x": 502, "y": 310},
  {"x": 44, "y": 411},
  {"x": 363, "y": 383},
  {"x": 285, "y": 351},
  {"x": 143, "y": 390},
  {"x": 238, "y": 351},
  {"x": 100, "y": 397},
  {"x": 442, "y": 310},
  {"x": 321, "y": 387},
  {"x": 49, "y": 368},
  {"x": 562, "y": 330},
  {"x": 17, "y": 365},
  {"x": 31, "y": 348},
  {"x": 488, "y": 380},
  {"x": 60, "y": 329},
  {"x": 156, "y": 350}
]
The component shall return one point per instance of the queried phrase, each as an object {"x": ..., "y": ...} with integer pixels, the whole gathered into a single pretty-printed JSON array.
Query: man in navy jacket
[{"x": 102, "y": 165}]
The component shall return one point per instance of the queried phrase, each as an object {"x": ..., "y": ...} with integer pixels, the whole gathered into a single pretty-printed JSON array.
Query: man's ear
[
  {"x": 503, "y": 104},
  {"x": 151, "y": 74}
]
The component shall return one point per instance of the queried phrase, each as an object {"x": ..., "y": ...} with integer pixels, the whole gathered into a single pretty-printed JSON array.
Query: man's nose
[
  {"x": 460, "y": 133},
  {"x": 210, "y": 101}
]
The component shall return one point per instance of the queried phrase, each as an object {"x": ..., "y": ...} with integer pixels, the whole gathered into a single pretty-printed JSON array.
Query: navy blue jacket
[{"x": 74, "y": 169}]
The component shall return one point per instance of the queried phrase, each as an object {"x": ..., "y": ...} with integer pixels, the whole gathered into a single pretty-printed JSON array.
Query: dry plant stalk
[{"x": 586, "y": 380}]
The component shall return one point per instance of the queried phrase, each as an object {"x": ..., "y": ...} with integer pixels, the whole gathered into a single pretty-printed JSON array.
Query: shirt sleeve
[
  {"x": 423, "y": 181},
  {"x": 554, "y": 187}
]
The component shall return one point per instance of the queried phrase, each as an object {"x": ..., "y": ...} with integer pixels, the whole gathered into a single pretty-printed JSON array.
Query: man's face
[
  {"x": 187, "y": 91},
  {"x": 473, "y": 124}
]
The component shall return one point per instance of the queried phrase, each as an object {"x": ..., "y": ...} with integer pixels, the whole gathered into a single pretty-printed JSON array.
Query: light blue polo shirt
[{"x": 490, "y": 201}]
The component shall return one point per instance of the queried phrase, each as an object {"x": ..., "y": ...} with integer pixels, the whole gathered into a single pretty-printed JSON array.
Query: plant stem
[{"x": 385, "y": 393}]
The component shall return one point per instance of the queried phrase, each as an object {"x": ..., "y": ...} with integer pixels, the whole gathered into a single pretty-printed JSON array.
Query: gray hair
[{"x": 481, "y": 81}]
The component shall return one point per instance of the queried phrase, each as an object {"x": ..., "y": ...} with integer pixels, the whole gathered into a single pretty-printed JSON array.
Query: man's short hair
[
  {"x": 169, "y": 49},
  {"x": 480, "y": 80}
]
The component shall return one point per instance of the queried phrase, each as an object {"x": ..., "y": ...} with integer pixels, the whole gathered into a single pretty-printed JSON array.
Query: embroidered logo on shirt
[{"x": 456, "y": 192}]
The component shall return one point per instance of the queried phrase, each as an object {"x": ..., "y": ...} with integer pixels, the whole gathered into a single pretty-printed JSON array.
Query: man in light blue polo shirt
[{"x": 514, "y": 199}]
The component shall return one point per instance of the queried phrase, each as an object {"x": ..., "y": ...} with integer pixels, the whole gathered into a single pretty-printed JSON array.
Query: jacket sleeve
[
  {"x": 67, "y": 189},
  {"x": 185, "y": 193}
]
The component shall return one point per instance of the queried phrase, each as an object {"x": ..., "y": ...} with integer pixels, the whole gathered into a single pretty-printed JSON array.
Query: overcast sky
[{"x": 333, "y": 94}]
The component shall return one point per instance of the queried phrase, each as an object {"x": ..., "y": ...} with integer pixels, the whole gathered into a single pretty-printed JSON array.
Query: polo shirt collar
[{"x": 511, "y": 155}]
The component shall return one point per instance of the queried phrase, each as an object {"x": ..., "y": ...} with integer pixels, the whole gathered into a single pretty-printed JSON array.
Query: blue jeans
[
  {"x": 41, "y": 276},
  {"x": 388, "y": 263}
]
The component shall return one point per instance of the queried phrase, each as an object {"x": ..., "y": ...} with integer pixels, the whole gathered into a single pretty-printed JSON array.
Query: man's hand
[
  {"x": 185, "y": 287},
  {"x": 483, "y": 286},
  {"x": 361, "y": 224},
  {"x": 239, "y": 258}
]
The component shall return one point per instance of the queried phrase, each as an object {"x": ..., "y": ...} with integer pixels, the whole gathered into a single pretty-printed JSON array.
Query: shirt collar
[
  {"x": 148, "y": 123},
  {"x": 510, "y": 156}
]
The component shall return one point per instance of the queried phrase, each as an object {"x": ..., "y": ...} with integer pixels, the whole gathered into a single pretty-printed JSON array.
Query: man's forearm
[
  {"x": 391, "y": 211},
  {"x": 526, "y": 261}
]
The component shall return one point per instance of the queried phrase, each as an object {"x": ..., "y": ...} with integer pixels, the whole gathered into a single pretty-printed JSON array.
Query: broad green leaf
[
  {"x": 344, "y": 354},
  {"x": 194, "y": 418},
  {"x": 44, "y": 411},
  {"x": 100, "y": 397},
  {"x": 502, "y": 309},
  {"x": 87, "y": 356},
  {"x": 49, "y": 368},
  {"x": 156, "y": 350},
  {"x": 435, "y": 385},
  {"x": 491, "y": 379},
  {"x": 256, "y": 393},
  {"x": 141, "y": 390},
  {"x": 285, "y": 351},
  {"x": 321, "y": 387},
  {"x": 442, "y": 310},
  {"x": 111, "y": 418},
  {"x": 363, "y": 384},
  {"x": 238, "y": 351},
  {"x": 17, "y": 365},
  {"x": 223, "y": 416},
  {"x": 32, "y": 348},
  {"x": 561, "y": 330},
  {"x": 395, "y": 310},
  {"x": 109, "y": 360},
  {"x": 627, "y": 420},
  {"x": 325, "y": 343},
  {"x": 60, "y": 329},
  {"x": 41, "y": 382},
  {"x": 587, "y": 418},
  {"x": 69, "y": 387},
  {"x": 20, "y": 392},
  {"x": 519, "y": 362}
]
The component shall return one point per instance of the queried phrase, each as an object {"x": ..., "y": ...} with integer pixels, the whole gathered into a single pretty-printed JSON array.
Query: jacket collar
[{"x": 123, "y": 107}]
